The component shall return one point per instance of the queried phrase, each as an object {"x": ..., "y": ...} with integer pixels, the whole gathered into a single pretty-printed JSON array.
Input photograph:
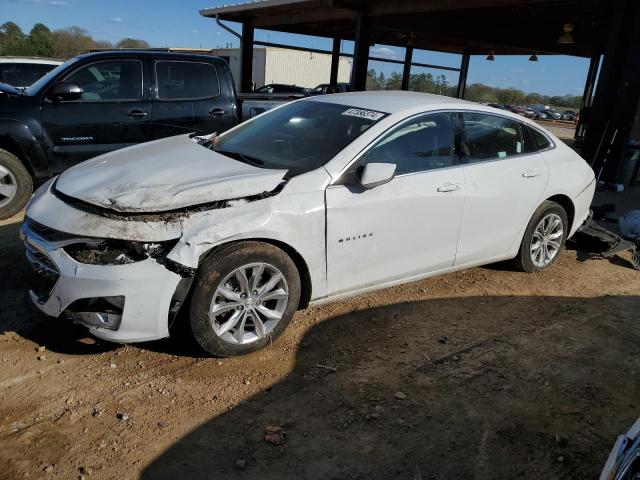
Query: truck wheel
[
  {"x": 544, "y": 238},
  {"x": 244, "y": 297},
  {"x": 16, "y": 185}
]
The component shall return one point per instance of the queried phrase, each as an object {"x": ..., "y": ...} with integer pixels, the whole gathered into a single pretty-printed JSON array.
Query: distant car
[
  {"x": 496, "y": 105},
  {"x": 322, "y": 198},
  {"x": 281, "y": 88},
  {"x": 326, "y": 88},
  {"x": 552, "y": 114},
  {"x": 517, "y": 109},
  {"x": 23, "y": 71},
  {"x": 569, "y": 115},
  {"x": 529, "y": 113}
]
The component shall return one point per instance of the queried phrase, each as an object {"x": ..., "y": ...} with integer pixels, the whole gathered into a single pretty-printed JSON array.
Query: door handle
[
  {"x": 531, "y": 174},
  {"x": 136, "y": 113},
  {"x": 450, "y": 187},
  {"x": 215, "y": 112}
]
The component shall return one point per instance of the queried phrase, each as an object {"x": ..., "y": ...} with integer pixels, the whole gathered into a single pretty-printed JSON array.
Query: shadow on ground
[{"x": 476, "y": 387}]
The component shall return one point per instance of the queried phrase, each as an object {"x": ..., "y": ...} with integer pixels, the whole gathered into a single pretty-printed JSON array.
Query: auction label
[{"x": 359, "y": 112}]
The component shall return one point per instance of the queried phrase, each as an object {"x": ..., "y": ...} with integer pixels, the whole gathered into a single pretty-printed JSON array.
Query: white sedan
[{"x": 319, "y": 199}]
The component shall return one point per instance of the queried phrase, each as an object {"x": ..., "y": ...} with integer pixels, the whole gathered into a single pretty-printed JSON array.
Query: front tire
[
  {"x": 544, "y": 238},
  {"x": 244, "y": 297},
  {"x": 16, "y": 185}
]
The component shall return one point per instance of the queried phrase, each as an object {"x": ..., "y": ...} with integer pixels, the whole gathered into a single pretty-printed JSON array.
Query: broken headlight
[{"x": 117, "y": 252}]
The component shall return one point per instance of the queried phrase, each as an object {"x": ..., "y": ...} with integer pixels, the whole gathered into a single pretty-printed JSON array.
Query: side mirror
[
  {"x": 375, "y": 174},
  {"x": 66, "y": 91}
]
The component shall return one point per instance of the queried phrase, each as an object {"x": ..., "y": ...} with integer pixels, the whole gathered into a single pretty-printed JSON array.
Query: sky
[{"x": 178, "y": 24}]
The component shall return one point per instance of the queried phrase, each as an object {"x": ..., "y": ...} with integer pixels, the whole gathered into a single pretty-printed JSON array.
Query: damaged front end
[{"x": 121, "y": 290}]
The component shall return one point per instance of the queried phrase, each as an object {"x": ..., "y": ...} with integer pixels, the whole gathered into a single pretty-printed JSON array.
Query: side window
[
  {"x": 23, "y": 74},
  {"x": 186, "y": 80},
  {"x": 487, "y": 137},
  {"x": 539, "y": 141},
  {"x": 109, "y": 80},
  {"x": 422, "y": 144}
]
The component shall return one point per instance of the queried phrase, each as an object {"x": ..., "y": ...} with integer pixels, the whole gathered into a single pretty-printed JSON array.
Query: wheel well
[
  {"x": 566, "y": 203},
  {"x": 301, "y": 265},
  {"x": 11, "y": 146}
]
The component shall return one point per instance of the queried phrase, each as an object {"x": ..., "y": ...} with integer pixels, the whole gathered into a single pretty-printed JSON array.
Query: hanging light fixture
[
  {"x": 490, "y": 57},
  {"x": 566, "y": 37},
  {"x": 533, "y": 57}
]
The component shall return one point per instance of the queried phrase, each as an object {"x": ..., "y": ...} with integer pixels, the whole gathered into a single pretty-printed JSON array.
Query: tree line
[
  {"x": 476, "y": 92},
  {"x": 62, "y": 43}
]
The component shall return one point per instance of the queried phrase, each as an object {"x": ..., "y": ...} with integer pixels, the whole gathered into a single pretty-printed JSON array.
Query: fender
[{"x": 25, "y": 137}]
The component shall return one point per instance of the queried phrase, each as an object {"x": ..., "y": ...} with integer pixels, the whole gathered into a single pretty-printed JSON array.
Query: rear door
[
  {"x": 191, "y": 96},
  {"x": 111, "y": 114},
  {"x": 505, "y": 181}
]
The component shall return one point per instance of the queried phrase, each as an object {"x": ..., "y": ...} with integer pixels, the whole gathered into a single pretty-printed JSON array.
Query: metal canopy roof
[{"x": 456, "y": 26}]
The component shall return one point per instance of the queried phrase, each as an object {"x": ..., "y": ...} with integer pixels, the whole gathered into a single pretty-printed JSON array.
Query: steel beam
[
  {"x": 361, "y": 53},
  {"x": 462, "y": 79},
  {"x": 246, "y": 59},
  {"x": 406, "y": 71},
  {"x": 335, "y": 62}
]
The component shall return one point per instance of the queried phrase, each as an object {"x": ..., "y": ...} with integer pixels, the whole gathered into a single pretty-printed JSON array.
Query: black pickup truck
[{"x": 99, "y": 102}]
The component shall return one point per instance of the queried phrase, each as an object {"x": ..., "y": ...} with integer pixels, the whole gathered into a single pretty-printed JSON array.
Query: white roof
[
  {"x": 45, "y": 61},
  {"x": 391, "y": 101}
]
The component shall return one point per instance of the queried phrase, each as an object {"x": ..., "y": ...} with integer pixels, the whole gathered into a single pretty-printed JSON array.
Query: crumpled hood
[{"x": 163, "y": 175}]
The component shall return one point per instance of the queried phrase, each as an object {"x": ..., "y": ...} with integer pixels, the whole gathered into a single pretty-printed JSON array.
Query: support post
[
  {"x": 462, "y": 78},
  {"x": 617, "y": 94},
  {"x": 335, "y": 62},
  {"x": 589, "y": 86},
  {"x": 246, "y": 58},
  {"x": 406, "y": 71},
  {"x": 360, "y": 53}
]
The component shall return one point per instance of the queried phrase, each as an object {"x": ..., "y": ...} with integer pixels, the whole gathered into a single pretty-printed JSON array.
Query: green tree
[
  {"x": 40, "y": 42},
  {"x": 12, "y": 39},
  {"x": 132, "y": 43}
]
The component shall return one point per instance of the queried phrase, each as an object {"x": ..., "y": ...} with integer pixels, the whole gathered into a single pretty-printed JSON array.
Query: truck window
[
  {"x": 179, "y": 80},
  {"x": 23, "y": 74},
  {"x": 109, "y": 80}
]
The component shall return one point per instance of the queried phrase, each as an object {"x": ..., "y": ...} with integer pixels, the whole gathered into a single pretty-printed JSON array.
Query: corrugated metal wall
[
  {"x": 305, "y": 69},
  {"x": 292, "y": 67}
]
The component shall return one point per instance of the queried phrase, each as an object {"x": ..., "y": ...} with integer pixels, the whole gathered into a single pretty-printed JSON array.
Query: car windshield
[
  {"x": 299, "y": 137},
  {"x": 39, "y": 84}
]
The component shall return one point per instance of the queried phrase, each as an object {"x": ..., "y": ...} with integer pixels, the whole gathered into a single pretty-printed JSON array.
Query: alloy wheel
[
  {"x": 8, "y": 186},
  {"x": 546, "y": 240},
  {"x": 249, "y": 303}
]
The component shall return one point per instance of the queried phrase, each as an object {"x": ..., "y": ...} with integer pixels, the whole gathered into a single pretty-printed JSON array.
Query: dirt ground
[{"x": 487, "y": 374}]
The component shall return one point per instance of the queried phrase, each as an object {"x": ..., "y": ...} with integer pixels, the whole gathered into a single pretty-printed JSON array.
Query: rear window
[
  {"x": 23, "y": 74},
  {"x": 540, "y": 141},
  {"x": 186, "y": 80}
]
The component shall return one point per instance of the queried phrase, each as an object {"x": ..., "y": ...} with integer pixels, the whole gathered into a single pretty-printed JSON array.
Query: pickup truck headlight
[{"x": 117, "y": 252}]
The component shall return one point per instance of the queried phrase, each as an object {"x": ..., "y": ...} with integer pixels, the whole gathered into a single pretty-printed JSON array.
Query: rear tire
[
  {"x": 16, "y": 185},
  {"x": 544, "y": 238},
  {"x": 244, "y": 297}
]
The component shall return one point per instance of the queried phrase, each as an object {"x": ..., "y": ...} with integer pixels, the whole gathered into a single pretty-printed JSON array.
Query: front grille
[
  {"x": 44, "y": 272},
  {"x": 46, "y": 233}
]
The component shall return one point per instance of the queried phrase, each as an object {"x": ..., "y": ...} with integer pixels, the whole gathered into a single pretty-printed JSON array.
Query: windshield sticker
[{"x": 368, "y": 114}]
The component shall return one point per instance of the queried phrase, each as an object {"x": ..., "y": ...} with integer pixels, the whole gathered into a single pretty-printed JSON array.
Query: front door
[
  {"x": 111, "y": 113},
  {"x": 406, "y": 227},
  {"x": 505, "y": 182}
]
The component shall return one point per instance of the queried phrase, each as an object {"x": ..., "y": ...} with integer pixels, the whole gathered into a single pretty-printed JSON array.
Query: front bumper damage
[{"x": 119, "y": 303}]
